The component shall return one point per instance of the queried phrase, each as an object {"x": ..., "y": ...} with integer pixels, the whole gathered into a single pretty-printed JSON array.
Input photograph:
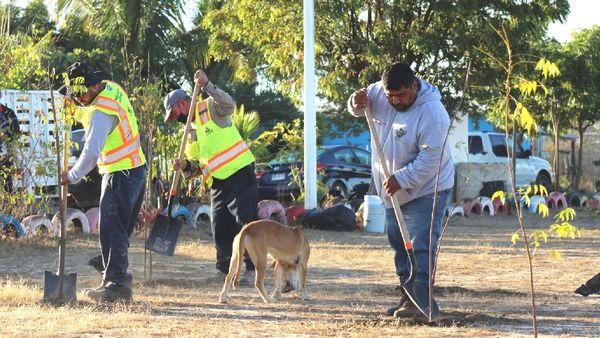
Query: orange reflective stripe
[
  {"x": 230, "y": 159},
  {"x": 136, "y": 160},
  {"x": 226, "y": 150},
  {"x": 224, "y": 157},
  {"x": 203, "y": 113},
  {"x": 123, "y": 151},
  {"x": 125, "y": 144},
  {"x": 112, "y": 105},
  {"x": 108, "y": 103}
]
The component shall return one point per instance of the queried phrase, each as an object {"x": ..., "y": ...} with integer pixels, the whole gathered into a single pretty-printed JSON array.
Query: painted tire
[
  {"x": 75, "y": 217},
  {"x": 34, "y": 224}
]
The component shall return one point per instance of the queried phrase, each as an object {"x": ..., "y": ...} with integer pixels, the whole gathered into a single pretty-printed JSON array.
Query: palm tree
[{"x": 142, "y": 29}]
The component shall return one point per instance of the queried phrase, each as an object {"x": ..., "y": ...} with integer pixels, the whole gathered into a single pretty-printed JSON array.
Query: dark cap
[
  {"x": 171, "y": 99},
  {"x": 84, "y": 70}
]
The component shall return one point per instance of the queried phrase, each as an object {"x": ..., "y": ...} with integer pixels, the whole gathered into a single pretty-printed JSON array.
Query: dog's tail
[{"x": 239, "y": 255}]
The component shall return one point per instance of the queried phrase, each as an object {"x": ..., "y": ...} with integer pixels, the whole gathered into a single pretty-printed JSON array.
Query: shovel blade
[
  {"x": 163, "y": 235},
  {"x": 419, "y": 295},
  {"x": 51, "y": 288}
]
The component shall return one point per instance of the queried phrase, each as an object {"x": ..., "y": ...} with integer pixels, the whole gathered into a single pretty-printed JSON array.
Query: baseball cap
[
  {"x": 171, "y": 99},
  {"x": 90, "y": 75}
]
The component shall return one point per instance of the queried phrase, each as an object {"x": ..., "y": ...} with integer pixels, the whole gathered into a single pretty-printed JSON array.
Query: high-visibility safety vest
[
  {"x": 220, "y": 151},
  {"x": 123, "y": 149}
]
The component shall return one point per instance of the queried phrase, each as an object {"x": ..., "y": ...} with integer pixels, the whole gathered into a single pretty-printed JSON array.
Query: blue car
[{"x": 345, "y": 169}]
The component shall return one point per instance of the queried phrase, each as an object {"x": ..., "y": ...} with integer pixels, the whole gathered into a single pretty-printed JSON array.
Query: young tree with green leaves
[{"x": 581, "y": 57}]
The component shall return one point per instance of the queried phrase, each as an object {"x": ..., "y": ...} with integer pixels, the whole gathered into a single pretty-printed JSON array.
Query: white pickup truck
[{"x": 486, "y": 168}]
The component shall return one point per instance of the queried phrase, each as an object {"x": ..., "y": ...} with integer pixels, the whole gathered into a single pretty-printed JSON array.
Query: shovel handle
[
  {"x": 63, "y": 190},
  {"x": 379, "y": 150},
  {"x": 184, "y": 138}
]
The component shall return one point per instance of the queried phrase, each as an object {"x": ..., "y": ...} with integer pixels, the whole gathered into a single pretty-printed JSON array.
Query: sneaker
[
  {"x": 111, "y": 293},
  {"x": 247, "y": 278},
  {"x": 97, "y": 263}
]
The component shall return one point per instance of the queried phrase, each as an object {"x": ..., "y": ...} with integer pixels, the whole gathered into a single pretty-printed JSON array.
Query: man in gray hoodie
[{"x": 410, "y": 122}]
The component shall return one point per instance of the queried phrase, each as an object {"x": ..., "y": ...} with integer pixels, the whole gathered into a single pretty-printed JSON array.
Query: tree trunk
[
  {"x": 581, "y": 129},
  {"x": 556, "y": 161},
  {"x": 513, "y": 157}
]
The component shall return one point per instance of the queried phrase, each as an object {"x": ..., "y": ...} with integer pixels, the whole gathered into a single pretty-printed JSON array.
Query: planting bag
[{"x": 337, "y": 218}]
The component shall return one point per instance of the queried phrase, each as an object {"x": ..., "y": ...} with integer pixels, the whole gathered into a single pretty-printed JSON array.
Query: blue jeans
[
  {"x": 417, "y": 216},
  {"x": 120, "y": 203}
]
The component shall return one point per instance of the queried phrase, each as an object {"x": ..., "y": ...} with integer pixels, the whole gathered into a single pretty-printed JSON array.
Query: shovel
[
  {"x": 60, "y": 288},
  {"x": 165, "y": 230},
  {"x": 418, "y": 294}
]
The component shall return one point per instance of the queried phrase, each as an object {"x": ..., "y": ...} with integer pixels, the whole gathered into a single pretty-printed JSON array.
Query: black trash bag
[
  {"x": 592, "y": 286},
  {"x": 337, "y": 218}
]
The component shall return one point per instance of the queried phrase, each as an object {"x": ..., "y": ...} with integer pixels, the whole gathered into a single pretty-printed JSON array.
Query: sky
[{"x": 584, "y": 14}]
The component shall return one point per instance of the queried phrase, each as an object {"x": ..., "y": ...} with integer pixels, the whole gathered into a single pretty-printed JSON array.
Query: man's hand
[
  {"x": 391, "y": 185},
  {"x": 180, "y": 164},
  {"x": 200, "y": 78},
  {"x": 64, "y": 178},
  {"x": 360, "y": 99}
]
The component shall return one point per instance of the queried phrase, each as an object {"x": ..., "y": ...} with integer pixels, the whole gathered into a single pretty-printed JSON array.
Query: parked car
[
  {"x": 345, "y": 169},
  {"x": 490, "y": 148}
]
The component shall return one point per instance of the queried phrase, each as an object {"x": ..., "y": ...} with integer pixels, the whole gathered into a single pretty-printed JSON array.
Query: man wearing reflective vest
[
  {"x": 112, "y": 141},
  {"x": 218, "y": 153}
]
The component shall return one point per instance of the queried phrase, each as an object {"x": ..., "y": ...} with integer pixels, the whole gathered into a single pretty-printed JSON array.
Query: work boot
[
  {"x": 111, "y": 293},
  {"x": 403, "y": 299},
  {"x": 288, "y": 287},
  {"x": 247, "y": 278},
  {"x": 97, "y": 263},
  {"x": 217, "y": 277},
  {"x": 408, "y": 310}
]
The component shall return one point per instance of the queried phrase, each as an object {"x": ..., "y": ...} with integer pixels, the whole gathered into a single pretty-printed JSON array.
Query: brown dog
[{"x": 288, "y": 246}]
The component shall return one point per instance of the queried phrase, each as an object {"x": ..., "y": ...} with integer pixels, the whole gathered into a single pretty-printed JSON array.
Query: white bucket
[{"x": 374, "y": 214}]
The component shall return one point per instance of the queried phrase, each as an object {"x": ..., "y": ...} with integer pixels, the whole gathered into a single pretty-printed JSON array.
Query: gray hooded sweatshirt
[{"x": 411, "y": 142}]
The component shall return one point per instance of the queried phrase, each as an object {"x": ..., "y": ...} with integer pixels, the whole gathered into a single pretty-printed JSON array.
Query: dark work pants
[
  {"x": 120, "y": 203},
  {"x": 234, "y": 203}
]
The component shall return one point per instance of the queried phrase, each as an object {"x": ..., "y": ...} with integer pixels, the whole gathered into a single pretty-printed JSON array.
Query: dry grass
[{"x": 482, "y": 287}]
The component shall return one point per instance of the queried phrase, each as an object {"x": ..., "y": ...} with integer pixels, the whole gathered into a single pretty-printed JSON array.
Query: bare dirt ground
[{"x": 482, "y": 287}]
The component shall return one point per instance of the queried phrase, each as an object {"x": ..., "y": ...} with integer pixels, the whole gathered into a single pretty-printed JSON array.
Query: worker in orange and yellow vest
[
  {"x": 218, "y": 153},
  {"x": 112, "y": 141}
]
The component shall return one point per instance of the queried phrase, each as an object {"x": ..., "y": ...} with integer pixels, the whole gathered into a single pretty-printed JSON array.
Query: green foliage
[
  {"x": 23, "y": 61},
  {"x": 355, "y": 40},
  {"x": 565, "y": 230},
  {"x": 141, "y": 28},
  {"x": 561, "y": 228},
  {"x": 515, "y": 79},
  {"x": 565, "y": 215},
  {"x": 298, "y": 181},
  {"x": 284, "y": 143},
  {"x": 245, "y": 123}
]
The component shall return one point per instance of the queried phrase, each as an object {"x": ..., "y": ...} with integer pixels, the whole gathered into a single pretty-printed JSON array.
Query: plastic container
[{"x": 374, "y": 214}]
